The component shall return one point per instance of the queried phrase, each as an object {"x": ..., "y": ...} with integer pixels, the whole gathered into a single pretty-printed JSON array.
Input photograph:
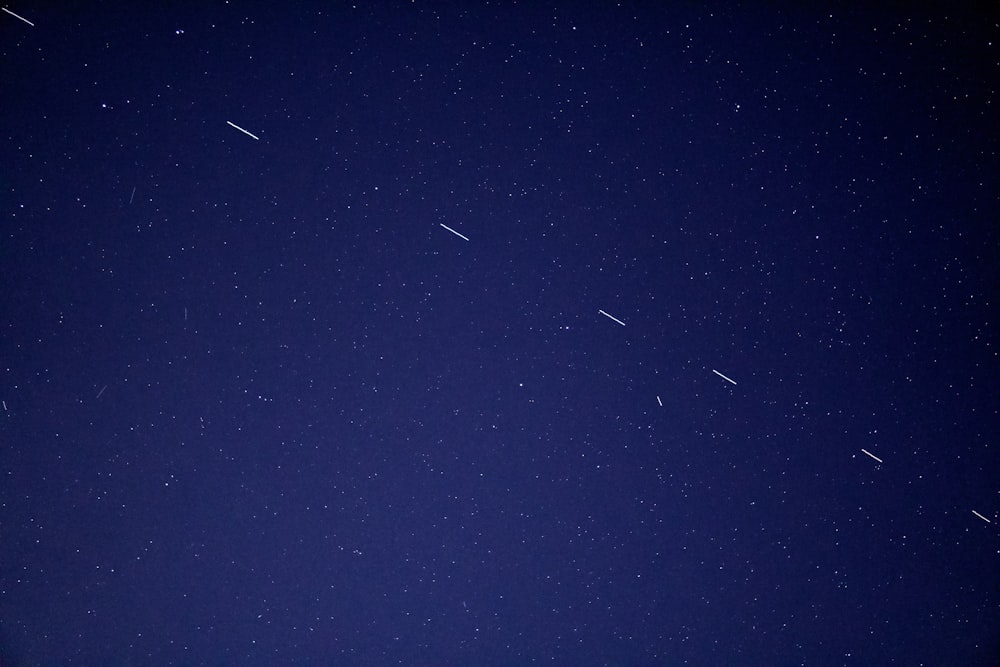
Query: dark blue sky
[{"x": 261, "y": 406}]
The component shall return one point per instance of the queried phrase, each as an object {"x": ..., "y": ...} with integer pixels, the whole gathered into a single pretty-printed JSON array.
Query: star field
[{"x": 498, "y": 334}]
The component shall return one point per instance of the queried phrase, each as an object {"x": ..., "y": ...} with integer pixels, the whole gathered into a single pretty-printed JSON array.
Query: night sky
[{"x": 498, "y": 334}]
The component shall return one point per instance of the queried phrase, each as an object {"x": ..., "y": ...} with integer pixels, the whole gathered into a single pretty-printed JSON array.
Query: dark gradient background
[{"x": 261, "y": 408}]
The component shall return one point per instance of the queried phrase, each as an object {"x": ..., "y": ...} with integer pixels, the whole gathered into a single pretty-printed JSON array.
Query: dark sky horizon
[{"x": 499, "y": 334}]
